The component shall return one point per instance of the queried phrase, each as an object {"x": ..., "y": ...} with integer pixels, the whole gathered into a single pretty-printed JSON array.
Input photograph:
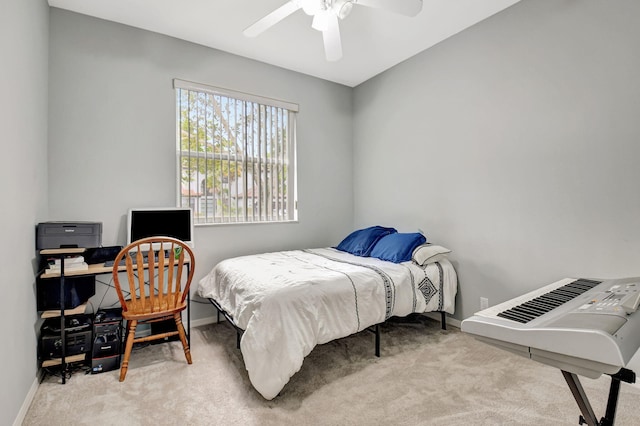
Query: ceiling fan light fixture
[
  {"x": 311, "y": 7},
  {"x": 320, "y": 21},
  {"x": 343, "y": 8}
]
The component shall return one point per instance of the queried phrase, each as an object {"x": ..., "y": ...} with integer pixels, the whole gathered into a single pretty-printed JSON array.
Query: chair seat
[{"x": 159, "y": 309}]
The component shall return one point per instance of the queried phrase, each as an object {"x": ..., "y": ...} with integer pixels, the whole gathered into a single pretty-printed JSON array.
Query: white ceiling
[{"x": 373, "y": 40}]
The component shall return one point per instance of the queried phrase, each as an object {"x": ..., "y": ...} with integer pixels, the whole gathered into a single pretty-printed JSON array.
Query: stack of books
[{"x": 72, "y": 263}]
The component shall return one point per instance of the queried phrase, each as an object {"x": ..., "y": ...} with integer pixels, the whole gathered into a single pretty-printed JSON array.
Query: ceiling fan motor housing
[{"x": 341, "y": 8}]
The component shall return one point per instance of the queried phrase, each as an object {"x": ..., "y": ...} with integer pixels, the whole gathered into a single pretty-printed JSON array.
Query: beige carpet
[{"x": 425, "y": 376}]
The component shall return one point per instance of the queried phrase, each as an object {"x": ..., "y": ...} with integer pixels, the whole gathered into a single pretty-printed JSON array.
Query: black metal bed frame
[{"x": 375, "y": 329}]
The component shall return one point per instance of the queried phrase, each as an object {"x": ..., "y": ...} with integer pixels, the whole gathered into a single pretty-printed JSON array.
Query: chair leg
[
  {"x": 131, "y": 333},
  {"x": 183, "y": 337}
]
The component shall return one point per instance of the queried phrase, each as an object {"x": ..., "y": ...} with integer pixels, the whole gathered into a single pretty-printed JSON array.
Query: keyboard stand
[{"x": 588, "y": 416}]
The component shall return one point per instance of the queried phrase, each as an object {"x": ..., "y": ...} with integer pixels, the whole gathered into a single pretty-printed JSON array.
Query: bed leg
[
  {"x": 377, "y": 340},
  {"x": 443, "y": 318},
  {"x": 217, "y": 316}
]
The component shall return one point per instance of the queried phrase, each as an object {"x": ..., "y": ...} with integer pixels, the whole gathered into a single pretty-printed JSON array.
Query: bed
[{"x": 285, "y": 303}]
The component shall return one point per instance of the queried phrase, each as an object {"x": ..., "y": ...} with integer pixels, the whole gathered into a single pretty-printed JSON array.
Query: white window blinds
[{"x": 235, "y": 154}]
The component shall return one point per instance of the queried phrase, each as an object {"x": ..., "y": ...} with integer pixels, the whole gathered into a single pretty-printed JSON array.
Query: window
[{"x": 235, "y": 155}]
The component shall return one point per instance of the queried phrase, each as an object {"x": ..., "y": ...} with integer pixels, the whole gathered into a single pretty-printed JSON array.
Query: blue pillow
[
  {"x": 397, "y": 247},
  {"x": 361, "y": 242}
]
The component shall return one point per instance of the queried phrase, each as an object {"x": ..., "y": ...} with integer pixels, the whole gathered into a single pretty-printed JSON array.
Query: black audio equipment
[
  {"x": 77, "y": 337},
  {"x": 77, "y": 343},
  {"x": 107, "y": 340},
  {"x": 72, "y": 323}
]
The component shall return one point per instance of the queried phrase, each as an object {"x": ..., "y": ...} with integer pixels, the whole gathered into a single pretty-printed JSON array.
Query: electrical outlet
[{"x": 484, "y": 303}]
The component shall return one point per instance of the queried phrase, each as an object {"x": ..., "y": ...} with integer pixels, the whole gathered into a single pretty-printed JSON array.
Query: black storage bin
[{"x": 78, "y": 289}]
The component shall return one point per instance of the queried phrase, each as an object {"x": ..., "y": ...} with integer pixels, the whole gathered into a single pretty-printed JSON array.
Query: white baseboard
[
  {"x": 26, "y": 403},
  {"x": 203, "y": 321},
  {"x": 450, "y": 321}
]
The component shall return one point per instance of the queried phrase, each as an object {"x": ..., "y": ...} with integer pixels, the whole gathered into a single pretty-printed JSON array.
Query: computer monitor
[{"x": 176, "y": 222}]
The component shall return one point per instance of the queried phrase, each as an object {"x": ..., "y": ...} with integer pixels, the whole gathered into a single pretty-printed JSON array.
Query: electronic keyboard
[
  {"x": 581, "y": 326},
  {"x": 588, "y": 327}
]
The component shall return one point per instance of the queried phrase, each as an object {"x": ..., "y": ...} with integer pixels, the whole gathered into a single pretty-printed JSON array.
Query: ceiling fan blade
[
  {"x": 271, "y": 19},
  {"x": 331, "y": 38},
  {"x": 403, "y": 7}
]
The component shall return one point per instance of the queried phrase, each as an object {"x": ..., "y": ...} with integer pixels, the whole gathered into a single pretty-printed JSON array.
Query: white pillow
[{"x": 429, "y": 253}]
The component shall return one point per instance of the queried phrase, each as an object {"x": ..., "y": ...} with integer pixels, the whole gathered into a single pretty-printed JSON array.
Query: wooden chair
[{"x": 157, "y": 288}]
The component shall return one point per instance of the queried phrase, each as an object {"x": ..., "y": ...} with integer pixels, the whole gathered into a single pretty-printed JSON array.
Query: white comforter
[{"x": 288, "y": 302}]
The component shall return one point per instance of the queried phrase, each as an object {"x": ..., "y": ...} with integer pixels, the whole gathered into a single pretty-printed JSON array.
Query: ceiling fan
[{"x": 325, "y": 17}]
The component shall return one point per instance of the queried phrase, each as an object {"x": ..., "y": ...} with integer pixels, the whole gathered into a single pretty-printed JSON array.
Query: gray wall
[
  {"x": 112, "y": 136},
  {"x": 24, "y": 30},
  {"x": 514, "y": 143}
]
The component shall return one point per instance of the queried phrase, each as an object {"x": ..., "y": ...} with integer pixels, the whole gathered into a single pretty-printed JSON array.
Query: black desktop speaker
[{"x": 107, "y": 340}]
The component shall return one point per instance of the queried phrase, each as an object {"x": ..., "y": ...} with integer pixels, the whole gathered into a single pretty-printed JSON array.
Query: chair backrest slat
[
  {"x": 170, "y": 278},
  {"x": 179, "y": 274},
  {"x": 132, "y": 281},
  {"x": 160, "y": 290},
  {"x": 151, "y": 266}
]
